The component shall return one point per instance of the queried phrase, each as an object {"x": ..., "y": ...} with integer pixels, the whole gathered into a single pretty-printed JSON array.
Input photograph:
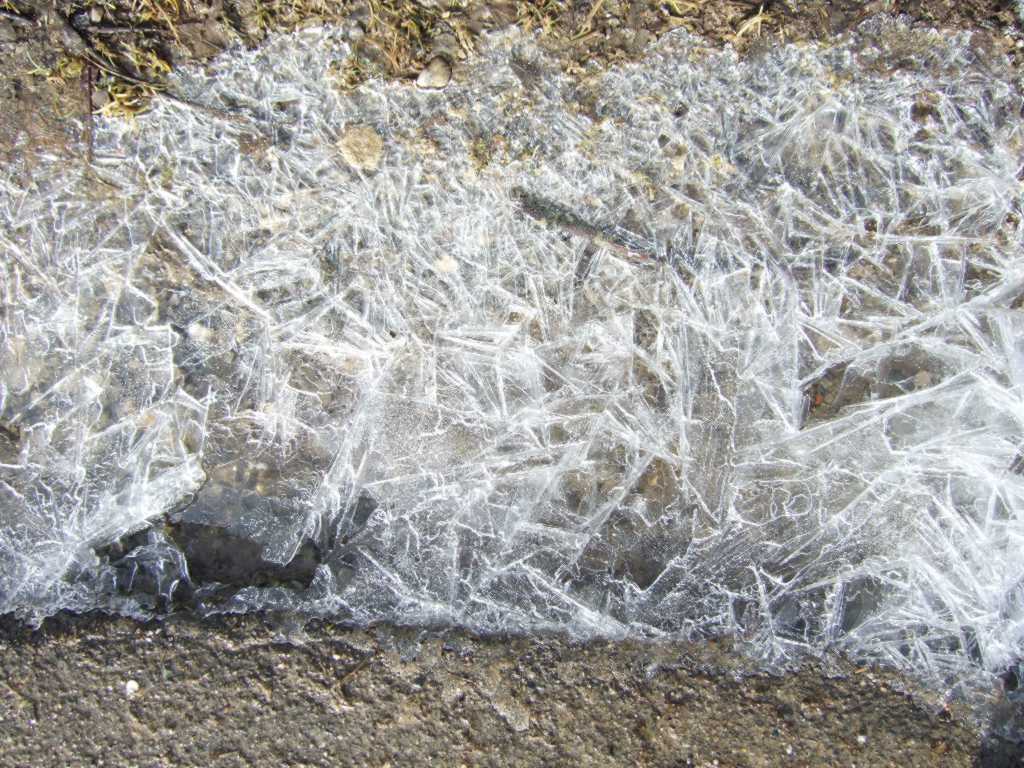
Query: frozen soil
[
  {"x": 66, "y": 58},
  {"x": 244, "y": 692}
]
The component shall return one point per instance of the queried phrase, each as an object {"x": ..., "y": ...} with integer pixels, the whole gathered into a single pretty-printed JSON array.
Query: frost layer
[{"x": 695, "y": 346}]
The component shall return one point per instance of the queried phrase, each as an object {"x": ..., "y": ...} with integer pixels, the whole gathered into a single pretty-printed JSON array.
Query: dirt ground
[
  {"x": 242, "y": 692},
  {"x": 65, "y": 60},
  {"x": 103, "y": 691}
]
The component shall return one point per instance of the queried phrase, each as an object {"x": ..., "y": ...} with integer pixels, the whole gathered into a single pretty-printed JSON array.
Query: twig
[
  {"x": 616, "y": 239},
  {"x": 586, "y": 28},
  {"x": 87, "y": 75},
  {"x": 754, "y": 21},
  {"x": 359, "y": 667},
  {"x": 16, "y": 18},
  {"x": 121, "y": 29},
  {"x": 110, "y": 29}
]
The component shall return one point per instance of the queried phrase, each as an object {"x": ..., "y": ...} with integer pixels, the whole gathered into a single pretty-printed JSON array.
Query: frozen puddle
[{"x": 696, "y": 346}]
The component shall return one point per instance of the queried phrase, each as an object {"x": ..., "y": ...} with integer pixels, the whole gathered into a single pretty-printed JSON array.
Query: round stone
[
  {"x": 437, "y": 75},
  {"x": 362, "y": 147}
]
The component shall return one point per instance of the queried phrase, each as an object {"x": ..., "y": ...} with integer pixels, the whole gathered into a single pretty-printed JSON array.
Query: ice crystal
[{"x": 698, "y": 345}]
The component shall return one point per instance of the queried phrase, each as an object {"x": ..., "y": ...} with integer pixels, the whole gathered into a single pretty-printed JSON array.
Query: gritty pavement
[{"x": 244, "y": 692}]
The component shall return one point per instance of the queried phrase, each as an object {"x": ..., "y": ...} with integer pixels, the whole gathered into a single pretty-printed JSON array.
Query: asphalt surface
[{"x": 249, "y": 692}]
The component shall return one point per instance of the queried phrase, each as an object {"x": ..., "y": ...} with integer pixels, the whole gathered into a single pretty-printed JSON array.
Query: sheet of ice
[{"x": 699, "y": 345}]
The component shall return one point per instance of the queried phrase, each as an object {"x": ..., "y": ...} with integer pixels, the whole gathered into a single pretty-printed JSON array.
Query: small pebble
[
  {"x": 131, "y": 688},
  {"x": 95, "y": 14},
  {"x": 436, "y": 76},
  {"x": 922, "y": 379},
  {"x": 362, "y": 147},
  {"x": 446, "y": 264}
]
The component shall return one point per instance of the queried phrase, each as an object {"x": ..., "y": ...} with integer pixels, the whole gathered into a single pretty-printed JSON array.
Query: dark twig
[
  {"x": 618, "y": 240},
  {"x": 16, "y": 18},
  {"x": 110, "y": 29},
  {"x": 359, "y": 667},
  {"x": 88, "y": 73},
  {"x": 124, "y": 29}
]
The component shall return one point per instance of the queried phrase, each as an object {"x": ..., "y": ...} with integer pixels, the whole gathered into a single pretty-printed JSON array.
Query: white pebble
[
  {"x": 446, "y": 264},
  {"x": 131, "y": 688},
  {"x": 436, "y": 75}
]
